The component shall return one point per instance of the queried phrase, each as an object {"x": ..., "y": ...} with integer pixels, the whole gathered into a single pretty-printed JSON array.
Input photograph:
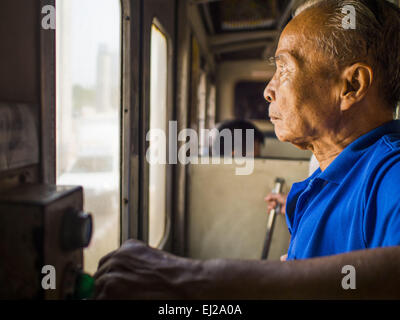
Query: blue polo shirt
[{"x": 354, "y": 203}]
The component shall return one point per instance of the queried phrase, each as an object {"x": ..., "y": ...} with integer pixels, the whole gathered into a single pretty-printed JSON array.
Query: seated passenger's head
[
  {"x": 338, "y": 69},
  {"x": 236, "y": 147}
]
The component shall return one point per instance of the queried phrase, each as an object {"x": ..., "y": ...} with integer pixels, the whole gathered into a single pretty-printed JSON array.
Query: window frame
[
  {"x": 160, "y": 20},
  {"x": 48, "y": 101},
  {"x": 138, "y": 16},
  {"x": 49, "y": 141},
  {"x": 167, "y": 223},
  {"x": 135, "y": 17}
]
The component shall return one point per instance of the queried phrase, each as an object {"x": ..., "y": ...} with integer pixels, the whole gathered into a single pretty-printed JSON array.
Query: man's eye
[{"x": 282, "y": 69}]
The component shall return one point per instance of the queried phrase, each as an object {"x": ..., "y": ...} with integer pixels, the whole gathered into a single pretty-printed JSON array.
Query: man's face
[{"x": 302, "y": 92}]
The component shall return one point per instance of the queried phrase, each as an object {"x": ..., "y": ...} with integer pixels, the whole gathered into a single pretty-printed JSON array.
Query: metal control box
[{"x": 41, "y": 225}]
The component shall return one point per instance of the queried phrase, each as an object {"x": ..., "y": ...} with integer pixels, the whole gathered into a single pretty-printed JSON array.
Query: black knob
[{"x": 77, "y": 229}]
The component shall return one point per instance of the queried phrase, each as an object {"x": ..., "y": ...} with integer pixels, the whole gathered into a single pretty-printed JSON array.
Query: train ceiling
[{"x": 244, "y": 29}]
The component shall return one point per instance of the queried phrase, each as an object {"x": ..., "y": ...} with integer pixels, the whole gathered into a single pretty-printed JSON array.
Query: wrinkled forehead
[
  {"x": 289, "y": 43},
  {"x": 299, "y": 37}
]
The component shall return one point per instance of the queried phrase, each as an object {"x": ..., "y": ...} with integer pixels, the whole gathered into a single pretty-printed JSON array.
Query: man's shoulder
[
  {"x": 392, "y": 141},
  {"x": 385, "y": 149},
  {"x": 381, "y": 220},
  {"x": 384, "y": 163},
  {"x": 381, "y": 163}
]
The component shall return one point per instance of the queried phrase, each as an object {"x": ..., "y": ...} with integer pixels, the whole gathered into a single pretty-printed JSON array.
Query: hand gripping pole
[{"x": 272, "y": 218}]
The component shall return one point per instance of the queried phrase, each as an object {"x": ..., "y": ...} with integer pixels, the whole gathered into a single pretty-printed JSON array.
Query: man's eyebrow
[
  {"x": 286, "y": 56},
  {"x": 280, "y": 57}
]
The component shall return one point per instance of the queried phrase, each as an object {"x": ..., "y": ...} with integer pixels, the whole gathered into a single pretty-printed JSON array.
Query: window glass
[
  {"x": 88, "y": 114},
  {"x": 158, "y": 120}
]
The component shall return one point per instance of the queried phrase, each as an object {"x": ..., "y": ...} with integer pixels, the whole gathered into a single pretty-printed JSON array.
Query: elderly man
[{"x": 333, "y": 93}]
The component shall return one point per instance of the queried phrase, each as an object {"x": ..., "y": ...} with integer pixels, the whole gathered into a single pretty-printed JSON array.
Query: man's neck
[{"x": 328, "y": 147}]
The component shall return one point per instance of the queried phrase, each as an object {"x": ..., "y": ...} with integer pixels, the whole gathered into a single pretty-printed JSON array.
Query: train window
[
  {"x": 158, "y": 120},
  {"x": 88, "y": 113}
]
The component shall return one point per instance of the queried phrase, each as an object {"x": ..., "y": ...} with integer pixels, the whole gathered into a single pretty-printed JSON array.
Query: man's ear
[{"x": 357, "y": 79}]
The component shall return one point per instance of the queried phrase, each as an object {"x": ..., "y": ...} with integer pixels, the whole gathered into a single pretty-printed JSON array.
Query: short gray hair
[{"x": 376, "y": 38}]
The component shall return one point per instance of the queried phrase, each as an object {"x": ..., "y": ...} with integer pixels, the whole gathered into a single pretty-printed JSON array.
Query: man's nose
[{"x": 269, "y": 93}]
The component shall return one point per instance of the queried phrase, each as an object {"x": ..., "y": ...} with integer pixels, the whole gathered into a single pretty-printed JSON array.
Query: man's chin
[
  {"x": 287, "y": 138},
  {"x": 280, "y": 134}
]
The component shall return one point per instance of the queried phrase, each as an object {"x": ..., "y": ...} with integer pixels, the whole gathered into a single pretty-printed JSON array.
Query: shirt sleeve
[{"x": 382, "y": 212}]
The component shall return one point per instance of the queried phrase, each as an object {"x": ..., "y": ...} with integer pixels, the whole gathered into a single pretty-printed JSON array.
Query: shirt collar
[{"x": 342, "y": 164}]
